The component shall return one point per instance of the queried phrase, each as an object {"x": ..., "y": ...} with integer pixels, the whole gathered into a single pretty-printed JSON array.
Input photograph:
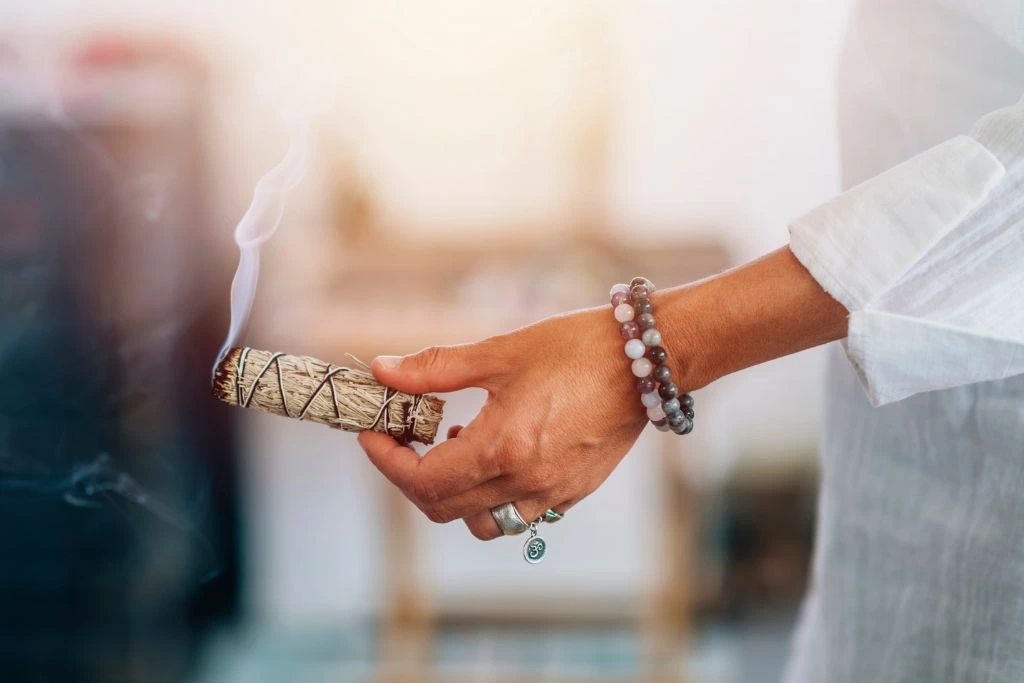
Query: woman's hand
[
  {"x": 561, "y": 412},
  {"x": 562, "y": 408}
]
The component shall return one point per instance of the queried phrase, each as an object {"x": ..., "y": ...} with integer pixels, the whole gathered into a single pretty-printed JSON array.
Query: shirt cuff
[{"x": 860, "y": 243}]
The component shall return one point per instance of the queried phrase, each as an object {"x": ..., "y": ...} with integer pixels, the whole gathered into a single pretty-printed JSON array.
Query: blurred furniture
[
  {"x": 116, "y": 482},
  {"x": 768, "y": 505}
]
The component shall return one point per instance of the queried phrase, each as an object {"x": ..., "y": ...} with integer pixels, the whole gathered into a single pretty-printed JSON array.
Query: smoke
[
  {"x": 147, "y": 194},
  {"x": 39, "y": 91},
  {"x": 100, "y": 478},
  {"x": 259, "y": 223},
  {"x": 40, "y": 67},
  {"x": 99, "y": 483}
]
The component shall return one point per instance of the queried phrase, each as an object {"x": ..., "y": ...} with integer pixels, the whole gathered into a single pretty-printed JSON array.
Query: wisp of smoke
[
  {"x": 41, "y": 65},
  {"x": 259, "y": 223},
  {"x": 100, "y": 483},
  {"x": 101, "y": 477}
]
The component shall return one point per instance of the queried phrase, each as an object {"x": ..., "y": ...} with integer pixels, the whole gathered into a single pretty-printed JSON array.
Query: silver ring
[
  {"x": 550, "y": 516},
  {"x": 509, "y": 520}
]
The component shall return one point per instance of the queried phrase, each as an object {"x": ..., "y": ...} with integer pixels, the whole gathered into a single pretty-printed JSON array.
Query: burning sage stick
[{"x": 309, "y": 389}]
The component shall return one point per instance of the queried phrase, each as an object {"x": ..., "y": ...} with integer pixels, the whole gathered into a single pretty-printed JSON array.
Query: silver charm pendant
[{"x": 535, "y": 547}]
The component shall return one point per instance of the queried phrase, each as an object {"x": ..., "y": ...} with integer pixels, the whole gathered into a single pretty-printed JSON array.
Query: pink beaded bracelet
[{"x": 668, "y": 408}]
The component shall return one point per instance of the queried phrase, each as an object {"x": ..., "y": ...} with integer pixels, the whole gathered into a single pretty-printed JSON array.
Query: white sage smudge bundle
[{"x": 305, "y": 388}]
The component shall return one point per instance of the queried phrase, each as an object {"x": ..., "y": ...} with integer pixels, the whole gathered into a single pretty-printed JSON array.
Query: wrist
[
  {"x": 687, "y": 329},
  {"x": 766, "y": 309}
]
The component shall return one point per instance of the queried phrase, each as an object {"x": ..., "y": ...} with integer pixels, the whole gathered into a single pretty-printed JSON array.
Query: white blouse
[{"x": 919, "y": 554}]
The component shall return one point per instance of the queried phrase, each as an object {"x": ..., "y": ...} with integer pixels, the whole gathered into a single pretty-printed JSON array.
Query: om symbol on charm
[{"x": 535, "y": 547}]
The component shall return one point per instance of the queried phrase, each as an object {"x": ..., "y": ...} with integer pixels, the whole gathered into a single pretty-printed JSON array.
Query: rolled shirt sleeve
[{"x": 928, "y": 258}]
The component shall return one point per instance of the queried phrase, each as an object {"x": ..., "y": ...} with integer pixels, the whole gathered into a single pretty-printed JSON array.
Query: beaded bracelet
[{"x": 667, "y": 408}]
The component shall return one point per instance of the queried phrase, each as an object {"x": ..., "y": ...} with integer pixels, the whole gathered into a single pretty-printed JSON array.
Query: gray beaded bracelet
[{"x": 667, "y": 408}]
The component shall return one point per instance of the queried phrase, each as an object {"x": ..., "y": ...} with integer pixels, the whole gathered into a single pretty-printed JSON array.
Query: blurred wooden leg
[
  {"x": 668, "y": 628},
  {"x": 406, "y": 630}
]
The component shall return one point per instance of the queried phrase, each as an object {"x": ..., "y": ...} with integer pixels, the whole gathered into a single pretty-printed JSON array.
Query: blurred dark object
[
  {"x": 766, "y": 523},
  {"x": 117, "y": 482}
]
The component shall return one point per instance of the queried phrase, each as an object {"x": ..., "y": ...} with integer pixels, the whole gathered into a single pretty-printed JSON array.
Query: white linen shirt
[{"x": 919, "y": 559}]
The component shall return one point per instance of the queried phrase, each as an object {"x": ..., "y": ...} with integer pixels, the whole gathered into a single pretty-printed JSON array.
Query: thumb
[{"x": 436, "y": 368}]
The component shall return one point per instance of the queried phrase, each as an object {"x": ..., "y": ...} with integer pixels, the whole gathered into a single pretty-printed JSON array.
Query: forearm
[{"x": 760, "y": 311}]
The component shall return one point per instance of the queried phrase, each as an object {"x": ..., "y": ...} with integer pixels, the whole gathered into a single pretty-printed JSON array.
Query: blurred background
[{"x": 474, "y": 167}]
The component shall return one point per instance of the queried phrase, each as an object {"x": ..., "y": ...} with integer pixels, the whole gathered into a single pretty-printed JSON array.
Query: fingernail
[{"x": 390, "y": 362}]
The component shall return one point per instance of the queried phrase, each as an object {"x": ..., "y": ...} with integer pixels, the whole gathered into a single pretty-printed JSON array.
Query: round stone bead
[
  {"x": 650, "y": 400},
  {"x": 687, "y": 401},
  {"x": 630, "y": 330},
  {"x": 655, "y": 413},
  {"x": 664, "y": 428},
  {"x": 662, "y": 374},
  {"x": 645, "y": 385},
  {"x": 657, "y": 355},
  {"x": 671, "y": 406},
  {"x": 635, "y": 349},
  {"x": 688, "y": 412},
  {"x": 624, "y": 313},
  {"x": 676, "y": 419},
  {"x": 618, "y": 288},
  {"x": 639, "y": 292},
  {"x": 642, "y": 281},
  {"x": 684, "y": 427},
  {"x": 619, "y": 298},
  {"x": 644, "y": 320},
  {"x": 651, "y": 337},
  {"x": 668, "y": 391},
  {"x": 642, "y": 367},
  {"x": 643, "y": 306}
]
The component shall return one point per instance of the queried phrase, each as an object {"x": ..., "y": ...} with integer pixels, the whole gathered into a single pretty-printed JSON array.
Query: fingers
[
  {"x": 483, "y": 526},
  {"x": 459, "y": 505},
  {"x": 396, "y": 462},
  {"x": 429, "y": 486},
  {"x": 486, "y": 496},
  {"x": 439, "y": 368},
  {"x": 482, "y": 497},
  {"x": 456, "y": 479},
  {"x": 447, "y": 470}
]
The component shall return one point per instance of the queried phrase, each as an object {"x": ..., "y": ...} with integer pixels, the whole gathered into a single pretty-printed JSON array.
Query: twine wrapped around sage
[{"x": 305, "y": 388}]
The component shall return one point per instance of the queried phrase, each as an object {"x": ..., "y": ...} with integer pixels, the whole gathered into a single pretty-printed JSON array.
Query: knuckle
[
  {"x": 432, "y": 358},
  {"x": 438, "y": 514},
  {"x": 424, "y": 491},
  {"x": 495, "y": 353},
  {"x": 536, "y": 481},
  {"x": 515, "y": 455},
  {"x": 510, "y": 462},
  {"x": 489, "y": 461},
  {"x": 482, "y": 532}
]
